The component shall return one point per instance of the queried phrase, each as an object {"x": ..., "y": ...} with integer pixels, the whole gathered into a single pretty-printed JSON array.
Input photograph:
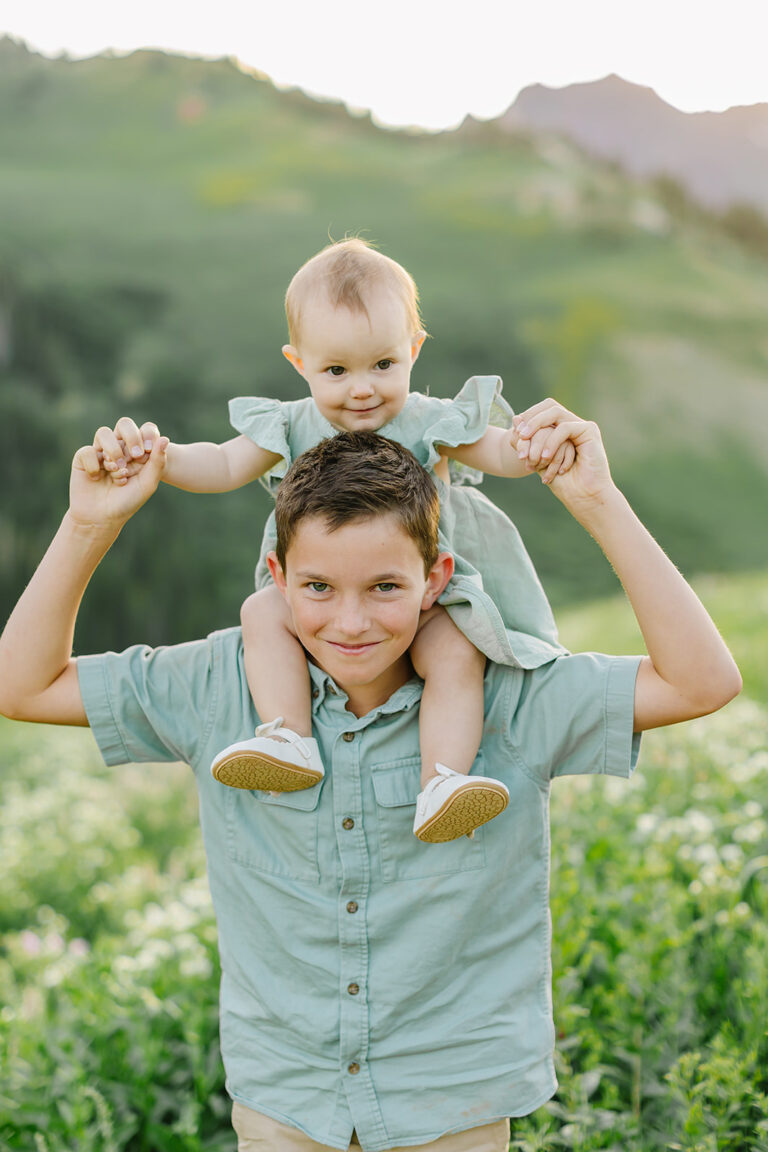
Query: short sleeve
[
  {"x": 266, "y": 422},
  {"x": 148, "y": 704},
  {"x": 464, "y": 420},
  {"x": 575, "y": 716}
]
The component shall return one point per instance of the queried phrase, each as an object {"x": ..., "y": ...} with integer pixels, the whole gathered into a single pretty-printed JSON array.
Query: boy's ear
[
  {"x": 439, "y": 575},
  {"x": 293, "y": 357},
  {"x": 276, "y": 572},
  {"x": 416, "y": 344}
]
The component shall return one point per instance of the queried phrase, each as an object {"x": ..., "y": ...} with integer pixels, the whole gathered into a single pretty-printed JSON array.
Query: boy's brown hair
[
  {"x": 353, "y": 476},
  {"x": 346, "y": 271}
]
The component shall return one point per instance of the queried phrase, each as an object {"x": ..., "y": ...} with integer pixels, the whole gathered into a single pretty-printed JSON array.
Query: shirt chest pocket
[
  {"x": 274, "y": 834},
  {"x": 396, "y": 785}
]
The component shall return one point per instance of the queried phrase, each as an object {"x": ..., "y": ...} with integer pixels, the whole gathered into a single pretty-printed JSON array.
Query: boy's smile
[
  {"x": 356, "y": 595},
  {"x": 358, "y": 366}
]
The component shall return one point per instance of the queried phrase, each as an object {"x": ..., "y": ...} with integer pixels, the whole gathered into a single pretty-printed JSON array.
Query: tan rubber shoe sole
[
  {"x": 463, "y": 811},
  {"x": 263, "y": 773}
]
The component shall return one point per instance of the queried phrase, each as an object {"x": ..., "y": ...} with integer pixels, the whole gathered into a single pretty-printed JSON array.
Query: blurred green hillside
[{"x": 152, "y": 211}]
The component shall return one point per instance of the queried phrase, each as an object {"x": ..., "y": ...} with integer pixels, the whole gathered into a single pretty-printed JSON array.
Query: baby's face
[{"x": 358, "y": 367}]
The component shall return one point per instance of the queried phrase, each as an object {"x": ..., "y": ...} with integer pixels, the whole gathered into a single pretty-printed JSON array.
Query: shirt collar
[{"x": 326, "y": 690}]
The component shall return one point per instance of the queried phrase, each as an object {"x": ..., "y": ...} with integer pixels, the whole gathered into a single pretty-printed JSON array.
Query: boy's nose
[{"x": 351, "y": 620}]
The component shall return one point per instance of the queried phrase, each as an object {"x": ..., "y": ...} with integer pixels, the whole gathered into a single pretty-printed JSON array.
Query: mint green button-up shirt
[{"x": 370, "y": 981}]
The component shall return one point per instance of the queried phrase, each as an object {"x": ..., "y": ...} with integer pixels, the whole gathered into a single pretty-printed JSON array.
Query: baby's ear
[
  {"x": 416, "y": 343},
  {"x": 293, "y": 357}
]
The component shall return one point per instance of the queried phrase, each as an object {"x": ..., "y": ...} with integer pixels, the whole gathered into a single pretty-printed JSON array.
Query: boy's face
[
  {"x": 358, "y": 367},
  {"x": 356, "y": 595}
]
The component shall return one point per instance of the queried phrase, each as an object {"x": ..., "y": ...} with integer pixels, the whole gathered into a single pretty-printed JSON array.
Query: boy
[{"x": 345, "y": 1014}]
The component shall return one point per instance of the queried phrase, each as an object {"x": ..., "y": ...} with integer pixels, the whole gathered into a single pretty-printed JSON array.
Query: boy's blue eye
[
  {"x": 318, "y": 586},
  {"x": 386, "y": 586}
]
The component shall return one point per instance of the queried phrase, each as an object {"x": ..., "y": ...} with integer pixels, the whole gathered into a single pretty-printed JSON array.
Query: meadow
[{"x": 108, "y": 961}]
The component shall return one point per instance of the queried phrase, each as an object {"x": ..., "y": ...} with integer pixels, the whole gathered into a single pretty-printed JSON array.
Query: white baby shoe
[
  {"x": 267, "y": 764},
  {"x": 453, "y": 805}
]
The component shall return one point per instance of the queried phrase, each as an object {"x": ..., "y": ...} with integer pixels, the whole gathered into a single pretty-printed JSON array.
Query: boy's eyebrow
[{"x": 379, "y": 578}]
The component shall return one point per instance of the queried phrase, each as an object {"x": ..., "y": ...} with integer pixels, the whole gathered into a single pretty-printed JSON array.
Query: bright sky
[{"x": 429, "y": 62}]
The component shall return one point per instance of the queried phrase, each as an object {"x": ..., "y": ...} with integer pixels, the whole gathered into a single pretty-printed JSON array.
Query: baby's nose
[{"x": 361, "y": 386}]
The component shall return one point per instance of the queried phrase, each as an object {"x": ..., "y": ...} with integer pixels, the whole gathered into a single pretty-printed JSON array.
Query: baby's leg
[
  {"x": 450, "y": 730},
  {"x": 282, "y": 756},
  {"x": 451, "y": 718},
  {"x": 275, "y": 663}
]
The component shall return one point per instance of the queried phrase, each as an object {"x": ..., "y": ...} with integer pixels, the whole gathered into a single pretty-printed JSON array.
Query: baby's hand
[
  {"x": 539, "y": 457},
  {"x": 123, "y": 450}
]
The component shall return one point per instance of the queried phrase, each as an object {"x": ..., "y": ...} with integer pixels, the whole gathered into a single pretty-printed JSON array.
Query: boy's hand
[
  {"x": 105, "y": 496},
  {"x": 125, "y": 448},
  {"x": 546, "y": 427},
  {"x": 537, "y": 453}
]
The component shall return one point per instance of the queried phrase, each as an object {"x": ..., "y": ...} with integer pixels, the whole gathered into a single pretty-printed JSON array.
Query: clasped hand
[{"x": 115, "y": 475}]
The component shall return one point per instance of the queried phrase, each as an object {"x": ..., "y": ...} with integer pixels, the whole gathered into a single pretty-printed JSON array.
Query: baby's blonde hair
[{"x": 346, "y": 271}]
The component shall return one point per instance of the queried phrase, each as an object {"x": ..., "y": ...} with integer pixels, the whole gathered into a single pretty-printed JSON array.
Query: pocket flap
[
  {"x": 303, "y": 800},
  {"x": 398, "y": 783}
]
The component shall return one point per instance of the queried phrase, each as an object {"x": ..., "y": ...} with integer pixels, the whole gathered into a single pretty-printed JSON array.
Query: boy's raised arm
[
  {"x": 38, "y": 677},
  {"x": 688, "y": 671}
]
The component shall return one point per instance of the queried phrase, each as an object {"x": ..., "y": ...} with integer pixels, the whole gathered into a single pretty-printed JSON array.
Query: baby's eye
[
  {"x": 384, "y": 364},
  {"x": 336, "y": 370},
  {"x": 318, "y": 586}
]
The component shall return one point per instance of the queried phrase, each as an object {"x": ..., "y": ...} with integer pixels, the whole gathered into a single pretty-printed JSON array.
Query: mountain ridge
[{"x": 720, "y": 157}]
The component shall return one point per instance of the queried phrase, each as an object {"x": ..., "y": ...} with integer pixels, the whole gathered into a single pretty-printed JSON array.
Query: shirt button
[
  {"x": 353, "y": 1069},
  {"x": 352, "y": 906},
  {"x": 347, "y": 823},
  {"x": 353, "y": 989},
  {"x": 349, "y": 737},
  {"x": 315, "y": 693}
]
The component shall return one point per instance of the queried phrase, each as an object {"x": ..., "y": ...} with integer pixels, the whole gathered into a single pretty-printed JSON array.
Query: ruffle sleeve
[
  {"x": 463, "y": 420},
  {"x": 266, "y": 422}
]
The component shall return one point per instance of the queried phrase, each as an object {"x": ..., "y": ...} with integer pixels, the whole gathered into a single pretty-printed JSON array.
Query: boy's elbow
[
  {"x": 11, "y": 709},
  {"x": 734, "y": 684},
  {"x": 14, "y": 705},
  {"x": 723, "y": 688},
  {"x": 8, "y": 701}
]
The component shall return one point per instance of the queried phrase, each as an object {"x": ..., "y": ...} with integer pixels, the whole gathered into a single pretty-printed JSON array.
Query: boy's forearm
[
  {"x": 684, "y": 646},
  {"x": 37, "y": 674}
]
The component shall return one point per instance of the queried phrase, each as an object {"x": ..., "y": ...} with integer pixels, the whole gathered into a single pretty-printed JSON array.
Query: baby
[{"x": 355, "y": 333}]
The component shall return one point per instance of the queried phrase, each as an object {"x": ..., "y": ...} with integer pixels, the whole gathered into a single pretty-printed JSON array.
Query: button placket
[
  {"x": 355, "y": 870},
  {"x": 355, "y": 866}
]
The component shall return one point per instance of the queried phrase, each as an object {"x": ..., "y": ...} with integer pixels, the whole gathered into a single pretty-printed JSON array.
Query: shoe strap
[
  {"x": 275, "y": 728},
  {"x": 443, "y": 773}
]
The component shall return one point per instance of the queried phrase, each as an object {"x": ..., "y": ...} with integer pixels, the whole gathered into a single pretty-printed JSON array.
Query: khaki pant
[{"x": 257, "y": 1133}]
